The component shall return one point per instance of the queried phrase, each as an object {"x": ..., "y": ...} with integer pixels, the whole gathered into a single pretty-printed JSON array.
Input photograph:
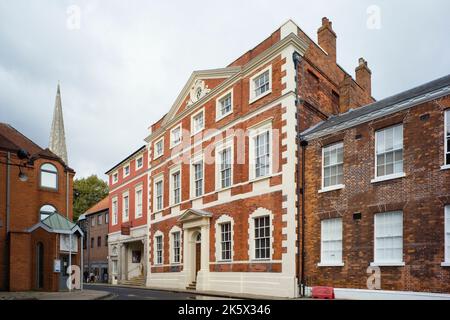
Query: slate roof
[{"x": 398, "y": 99}]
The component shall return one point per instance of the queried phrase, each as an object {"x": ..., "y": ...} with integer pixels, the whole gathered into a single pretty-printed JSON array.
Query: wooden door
[{"x": 198, "y": 258}]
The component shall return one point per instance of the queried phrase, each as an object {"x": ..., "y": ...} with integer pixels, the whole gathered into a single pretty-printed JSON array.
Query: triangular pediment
[
  {"x": 198, "y": 88},
  {"x": 194, "y": 214}
]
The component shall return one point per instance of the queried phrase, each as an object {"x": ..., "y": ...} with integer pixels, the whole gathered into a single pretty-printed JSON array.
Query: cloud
[{"x": 124, "y": 67}]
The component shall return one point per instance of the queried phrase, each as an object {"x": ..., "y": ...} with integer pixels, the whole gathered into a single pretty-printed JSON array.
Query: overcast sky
[{"x": 123, "y": 65}]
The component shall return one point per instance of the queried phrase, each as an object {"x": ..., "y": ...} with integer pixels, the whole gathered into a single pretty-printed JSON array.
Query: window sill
[
  {"x": 252, "y": 100},
  {"x": 446, "y": 167},
  {"x": 223, "y": 116},
  {"x": 253, "y": 180},
  {"x": 330, "y": 264},
  {"x": 445, "y": 264},
  {"x": 194, "y": 133},
  {"x": 387, "y": 178},
  {"x": 387, "y": 264},
  {"x": 174, "y": 145},
  {"x": 332, "y": 188}
]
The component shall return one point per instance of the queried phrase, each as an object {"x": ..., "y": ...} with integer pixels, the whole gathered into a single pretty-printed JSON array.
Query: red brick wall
[
  {"x": 421, "y": 195},
  {"x": 97, "y": 253},
  {"x": 20, "y": 270}
]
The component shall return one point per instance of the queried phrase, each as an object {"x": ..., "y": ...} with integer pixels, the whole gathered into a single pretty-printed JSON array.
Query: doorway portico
[{"x": 196, "y": 225}]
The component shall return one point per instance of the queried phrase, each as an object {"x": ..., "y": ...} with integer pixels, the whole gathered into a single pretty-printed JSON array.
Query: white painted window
[
  {"x": 49, "y": 176},
  {"x": 175, "y": 186},
  {"x": 139, "y": 162},
  {"x": 159, "y": 249},
  {"x": 262, "y": 237},
  {"x": 176, "y": 246},
  {"x": 100, "y": 219},
  {"x": 198, "y": 122},
  {"x": 197, "y": 168},
  {"x": 138, "y": 201},
  {"x": 92, "y": 221},
  {"x": 106, "y": 218},
  {"x": 447, "y": 138},
  {"x": 224, "y": 105},
  {"x": 331, "y": 242},
  {"x": 126, "y": 170},
  {"x": 175, "y": 136},
  {"x": 225, "y": 168},
  {"x": 333, "y": 166},
  {"x": 389, "y": 152},
  {"x": 389, "y": 237},
  {"x": 447, "y": 234},
  {"x": 262, "y": 154},
  {"x": 126, "y": 208},
  {"x": 159, "y": 193},
  {"x": 114, "y": 212},
  {"x": 159, "y": 148},
  {"x": 225, "y": 243},
  {"x": 115, "y": 177}
]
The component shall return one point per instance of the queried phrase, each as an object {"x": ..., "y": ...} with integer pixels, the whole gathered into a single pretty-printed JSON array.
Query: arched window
[
  {"x": 49, "y": 176},
  {"x": 46, "y": 211}
]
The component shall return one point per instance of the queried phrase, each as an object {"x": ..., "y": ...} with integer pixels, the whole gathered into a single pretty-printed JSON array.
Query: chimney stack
[
  {"x": 327, "y": 38},
  {"x": 364, "y": 76}
]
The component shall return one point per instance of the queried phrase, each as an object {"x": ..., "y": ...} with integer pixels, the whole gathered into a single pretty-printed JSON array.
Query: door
[
  {"x": 40, "y": 266},
  {"x": 63, "y": 276},
  {"x": 198, "y": 257}
]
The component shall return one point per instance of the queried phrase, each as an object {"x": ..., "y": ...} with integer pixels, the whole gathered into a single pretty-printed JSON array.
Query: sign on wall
[
  {"x": 57, "y": 266},
  {"x": 125, "y": 230},
  {"x": 64, "y": 243}
]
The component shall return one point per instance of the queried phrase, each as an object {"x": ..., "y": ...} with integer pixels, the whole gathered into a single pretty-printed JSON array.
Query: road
[{"x": 125, "y": 293}]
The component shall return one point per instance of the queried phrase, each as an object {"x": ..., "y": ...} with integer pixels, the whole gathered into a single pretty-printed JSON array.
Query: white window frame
[
  {"x": 218, "y": 237},
  {"x": 175, "y": 229},
  {"x": 221, "y": 146},
  {"x": 159, "y": 178},
  {"x": 172, "y": 144},
  {"x": 446, "y": 146},
  {"x": 195, "y": 160},
  {"x": 171, "y": 186},
  {"x": 262, "y": 128},
  {"x": 324, "y": 234},
  {"x": 155, "y": 248},
  {"x": 380, "y": 262},
  {"x": 142, "y": 162},
  {"x": 194, "y": 131},
  {"x": 124, "y": 171},
  {"x": 339, "y": 185},
  {"x": 252, "y": 88},
  {"x": 100, "y": 219},
  {"x": 394, "y": 175},
  {"x": 125, "y": 218},
  {"x": 115, "y": 177},
  {"x": 446, "y": 262},
  {"x": 115, "y": 211},
  {"x": 258, "y": 213},
  {"x": 219, "y": 115},
  {"x": 138, "y": 214},
  {"x": 157, "y": 155}
]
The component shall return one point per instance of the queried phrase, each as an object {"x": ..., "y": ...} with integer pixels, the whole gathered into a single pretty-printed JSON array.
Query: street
[{"x": 126, "y": 293}]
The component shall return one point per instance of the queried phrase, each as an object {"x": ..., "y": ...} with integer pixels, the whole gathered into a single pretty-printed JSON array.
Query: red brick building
[
  {"x": 95, "y": 225},
  {"x": 377, "y": 196},
  {"x": 128, "y": 207},
  {"x": 35, "y": 215}
]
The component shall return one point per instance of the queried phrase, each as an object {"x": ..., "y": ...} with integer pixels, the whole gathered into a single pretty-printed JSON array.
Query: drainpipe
[
  {"x": 297, "y": 59},
  {"x": 8, "y": 212}
]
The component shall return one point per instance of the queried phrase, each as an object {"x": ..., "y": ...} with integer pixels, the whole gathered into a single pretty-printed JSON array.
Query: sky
[{"x": 121, "y": 64}]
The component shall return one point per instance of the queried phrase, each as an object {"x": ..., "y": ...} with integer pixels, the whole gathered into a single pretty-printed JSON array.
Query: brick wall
[{"x": 421, "y": 195}]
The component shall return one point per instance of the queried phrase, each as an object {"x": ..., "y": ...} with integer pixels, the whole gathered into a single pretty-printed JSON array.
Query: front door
[
  {"x": 63, "y": 276},
  {"x": 198, "y": 257}
]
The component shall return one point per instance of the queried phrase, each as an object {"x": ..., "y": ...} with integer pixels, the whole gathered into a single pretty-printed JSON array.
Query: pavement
[{"x": 74, "y": 295}]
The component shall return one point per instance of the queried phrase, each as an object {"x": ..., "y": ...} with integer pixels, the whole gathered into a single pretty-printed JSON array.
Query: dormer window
[{"x": 49, "y": 176}]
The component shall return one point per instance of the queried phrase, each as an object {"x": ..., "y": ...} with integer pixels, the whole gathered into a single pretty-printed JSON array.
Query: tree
[{"x": 87, "y": 192}]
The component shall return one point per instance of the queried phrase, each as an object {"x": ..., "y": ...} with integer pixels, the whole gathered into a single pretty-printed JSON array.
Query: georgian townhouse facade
[
  {"x": 222, "y": 175},
  {"x": 128, "y": 209},
  {"x": 377, "y": 197}
]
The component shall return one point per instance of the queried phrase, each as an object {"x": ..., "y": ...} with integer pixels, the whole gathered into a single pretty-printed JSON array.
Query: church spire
[{"x": 57, "y": 135}]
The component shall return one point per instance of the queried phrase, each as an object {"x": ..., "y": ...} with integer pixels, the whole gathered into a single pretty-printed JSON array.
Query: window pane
[
  {"x": 49, "y": 179},
  {"x": 389, "y": 237}
]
